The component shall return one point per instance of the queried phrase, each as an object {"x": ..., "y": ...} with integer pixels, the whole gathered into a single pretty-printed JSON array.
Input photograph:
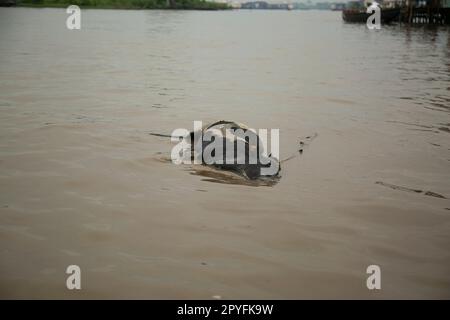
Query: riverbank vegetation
[{"x": 128, "y": 4}]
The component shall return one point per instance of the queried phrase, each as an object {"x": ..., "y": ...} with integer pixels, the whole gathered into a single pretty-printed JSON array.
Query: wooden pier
[{"x": 432, "y": 13}]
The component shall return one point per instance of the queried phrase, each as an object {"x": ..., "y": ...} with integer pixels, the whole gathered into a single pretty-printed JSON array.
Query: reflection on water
[
  {"x": 211, "y": 174},
  {"x": 82, "y": 182},
  {"x": 214, "y": 175}
]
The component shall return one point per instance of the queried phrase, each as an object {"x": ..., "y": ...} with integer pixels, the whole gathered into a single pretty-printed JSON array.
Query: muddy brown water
[{"x": 82, "y": 181}]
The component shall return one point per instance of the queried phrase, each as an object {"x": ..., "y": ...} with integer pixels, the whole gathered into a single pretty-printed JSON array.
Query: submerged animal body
[
  {"x": 214, "y": 142},
  {"x": 233, "y": 146},
  {"x": 240, "y": 150}
]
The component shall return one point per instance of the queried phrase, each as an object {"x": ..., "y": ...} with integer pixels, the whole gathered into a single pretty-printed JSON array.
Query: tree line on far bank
[{"x": 128, "y": 4}]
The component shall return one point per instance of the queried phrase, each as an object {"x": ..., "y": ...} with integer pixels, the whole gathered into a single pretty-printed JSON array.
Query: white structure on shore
[{"x": 234, "y": 4}]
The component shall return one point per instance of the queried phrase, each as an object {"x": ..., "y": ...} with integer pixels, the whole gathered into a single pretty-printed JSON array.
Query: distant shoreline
[{"x": 127, "y": 4}]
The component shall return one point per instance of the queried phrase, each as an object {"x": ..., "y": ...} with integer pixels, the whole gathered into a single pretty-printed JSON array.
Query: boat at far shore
[
  {"x": 356, "y": 11},
  {"x": 360, "y": 15}
]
